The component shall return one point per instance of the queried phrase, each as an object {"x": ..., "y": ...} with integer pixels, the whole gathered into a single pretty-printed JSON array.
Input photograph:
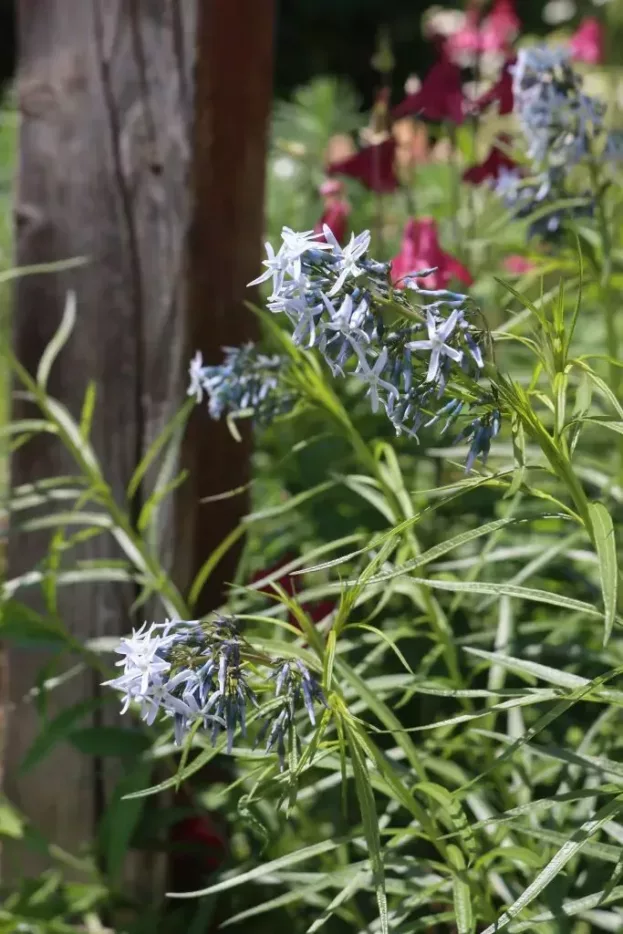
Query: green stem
[
  {"x": 605, "y": 286},
  {"x": 433, "y": 610}
]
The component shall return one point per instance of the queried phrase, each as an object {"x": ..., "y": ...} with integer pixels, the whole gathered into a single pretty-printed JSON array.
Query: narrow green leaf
[
  {"x": 605, "y": 544},
  {"x": 367, "y": 807},
  {"x": 372, "y": 495},
  {"x": 522, "y": 593},
  {"x": 362, "y": 880},
  {"x": 329, "y": 658},
  {"x": 59, "y": 340},
  {"x": 18, "y": 272},
  {"x": 519, "y": 454},
  {"x": 455, "y": 542},
  {"x": 383, "y": 637},
  {"x": 265, "y": 869},
  {"x": 570, "y": 908},
  {"x": 455, "y": 812},
  {"x": 88, "y": 408},
  {"x": 567, "y": 851},
  {"x": 461, "y": 892},
  {"x": 544, "y": 721},
  {"x": 173, "y": 427},
  {"x": 211, "y": 562}
]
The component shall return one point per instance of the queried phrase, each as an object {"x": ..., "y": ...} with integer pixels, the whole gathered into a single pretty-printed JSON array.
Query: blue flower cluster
[
  {"x": 545, "y": 196},
  {"x": 247, "y": 382},
  {"x": 559, "y": 121},
  {"x": 418, "y": 351},
  {"x": 199, "y": 671},
  {"x": 406, "y": 345},
  {"x": 293, "y": 682},
  {"x": 563, "y": 126}
]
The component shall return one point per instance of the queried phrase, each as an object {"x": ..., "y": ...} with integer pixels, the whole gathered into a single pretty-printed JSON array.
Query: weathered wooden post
[{"x": 142, "y": 149}]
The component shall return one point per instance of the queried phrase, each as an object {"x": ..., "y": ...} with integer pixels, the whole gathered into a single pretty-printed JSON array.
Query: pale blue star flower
[
  {"x": 303, "y": 316},
  {"x": 277, "y": 265},
  {"x": 197, "y": 380},
  {"x": 437, "y": 343},
  {"x": 141, "y": 652},
  {"x": 372, "y": 376},
  {"x": 348, "y": 257},
  {"x": 144, "y": 652},
  {"x": 159, "y": 696},
  {"x": 346, "y": 320},
  {"x": 296, "y": 244}
]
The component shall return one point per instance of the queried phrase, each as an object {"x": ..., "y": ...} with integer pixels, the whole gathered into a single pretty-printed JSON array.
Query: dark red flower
[
  {"x": 201, "y": 835},
  {"x": 336, "y": 210},
  {"x": 440, "y": 97},
  {"x": 587, "y": 43},
  {"x": 501, "y": 93},
  {"x": 373, "y": 166},
  {"x": 517, "y": 265},
  {"x": 496, "y": 162},
  {"x": 420, "y": 249}
]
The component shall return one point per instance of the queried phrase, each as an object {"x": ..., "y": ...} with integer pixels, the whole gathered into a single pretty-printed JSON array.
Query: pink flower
[
  {"x": 500, "y": 27},
  {"x": 496, "y": 162},
  {"x": 494, "y": 34},
  {"x": 373, "y": 166},
  {"x": 466, "y": 43},
  {"x": 517, "y": 265},
  {"x": 439, "y": 99},
  {"x": 420, "y": 249},
  {"x": 587, "y": 43},
  {"x": 501, "y": 92},
  {"x": 336, "y": 210},
  {"x": 331, "y": 188}
]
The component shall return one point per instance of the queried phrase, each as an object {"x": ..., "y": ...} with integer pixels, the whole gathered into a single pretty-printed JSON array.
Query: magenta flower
[
  {"x": 373, "y": 166},
  {"x": 587, "y": 43},
  {"x": 517, "y": 265},
  {"x": 495, "y": 34},
  {"x": 465, "y": 44},
  {"x": 494, "y": 165},
  {"x": 501, "y": 27},
  {"x": 420, "y": 249},
  {"x": 440, "y": 97},
  {"x": 501, "y": 93}
]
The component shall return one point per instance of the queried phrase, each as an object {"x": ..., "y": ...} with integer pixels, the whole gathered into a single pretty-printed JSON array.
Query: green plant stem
[
  {"x": 605, "y": 286},
  {"x": 368, "y": 460}
]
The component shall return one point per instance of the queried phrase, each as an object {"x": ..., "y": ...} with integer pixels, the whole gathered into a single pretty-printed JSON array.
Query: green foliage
[{"x": 466, "y": 774}]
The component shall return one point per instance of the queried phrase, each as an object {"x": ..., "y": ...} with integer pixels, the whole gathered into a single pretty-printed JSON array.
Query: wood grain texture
[
  {"x": 165, "y": 201},
  {"x": 233, "y": 82}
]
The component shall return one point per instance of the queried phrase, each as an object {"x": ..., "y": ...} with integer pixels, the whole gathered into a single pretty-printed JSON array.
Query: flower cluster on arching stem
[
  {"x": 563, "y": 127},
  {"x": 199, "y": 673},
  {"x": 418, "y": 351},
  {"x": 247, "y": 382}
]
